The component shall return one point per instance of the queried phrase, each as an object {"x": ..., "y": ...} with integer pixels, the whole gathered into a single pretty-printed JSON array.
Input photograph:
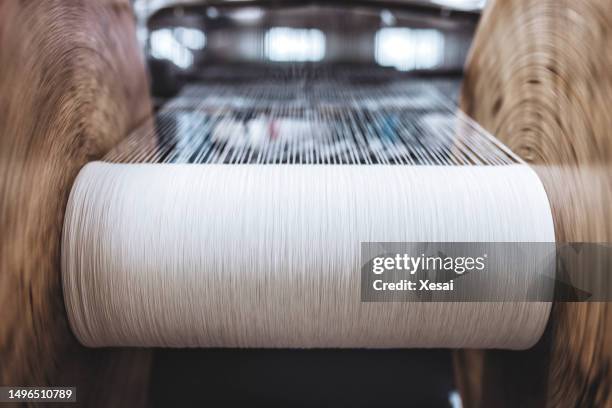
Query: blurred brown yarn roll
[
  {"x": 72, "y": 84},
  {"x": 539, "y": 77}
]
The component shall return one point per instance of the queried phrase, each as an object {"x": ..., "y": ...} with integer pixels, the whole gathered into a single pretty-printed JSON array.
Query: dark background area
[{"x": 301, "y": 378}]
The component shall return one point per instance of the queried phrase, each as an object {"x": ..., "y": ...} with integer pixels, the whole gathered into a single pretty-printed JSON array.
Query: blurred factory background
[{"x": 187, "y": 41}]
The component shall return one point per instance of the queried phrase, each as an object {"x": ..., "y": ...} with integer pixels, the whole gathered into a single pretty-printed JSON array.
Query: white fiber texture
[{"x": 180, "y": 255}]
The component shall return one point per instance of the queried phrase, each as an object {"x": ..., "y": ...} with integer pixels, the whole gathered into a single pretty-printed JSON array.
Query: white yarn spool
[{"x": 268, "y": 255}]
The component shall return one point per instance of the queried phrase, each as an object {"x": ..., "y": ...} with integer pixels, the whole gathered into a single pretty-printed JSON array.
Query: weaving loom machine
[{"x": 285, "y": 82}]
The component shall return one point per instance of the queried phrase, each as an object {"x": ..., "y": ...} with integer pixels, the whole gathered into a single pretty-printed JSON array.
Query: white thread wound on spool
[{"x": 268, "y": 255}]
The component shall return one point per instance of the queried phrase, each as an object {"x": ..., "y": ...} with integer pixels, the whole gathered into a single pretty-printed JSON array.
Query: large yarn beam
[
  {"x": 196, "y": 255},
  {"x": 72, "y": 85},
  {"x": 539, "y": 77}
]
